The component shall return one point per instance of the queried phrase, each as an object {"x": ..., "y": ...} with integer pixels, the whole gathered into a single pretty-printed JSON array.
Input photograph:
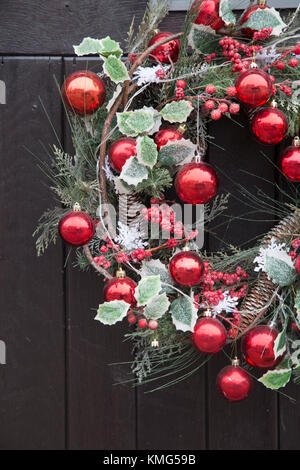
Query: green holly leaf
[
  {"x": 122, "y": 119},
  {"x": 266, "y": 18},
  {"x": 280, "y": 344},
  {"x": 203, "y": 39},
  {"x": 146, "y": 151},
  {"x": 177, "y": 153},
  {"x": 88, "y": 46},
  {"x": 146, "y": 289},
  {"x": 184, "y": 313},
  {"x": 141, "y": 121},
  {"x": 115, "y": 69},
  {"x": 297, "y": 306},
  {"x": 280, "y": 268},
  {"x": 133, "y": 172},
  {"x": 275, "y": 379},
  {"x": 110, "y": 47},
  {"x": 156, "y": 307},
  {"x": 177, "y": 111},
  {"x": 226, "y": 13},
  {"x": 110, "y": 313},
  {"x": 155, "y": 267},
  {"x": 157, "y": 120}
]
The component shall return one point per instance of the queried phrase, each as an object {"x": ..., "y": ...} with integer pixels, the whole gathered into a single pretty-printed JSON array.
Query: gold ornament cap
[
  {"x": 235, "y": 362},
  {"x": 76, "y": 207},
  {"x": 181, "y": 128},
  {"x": 261, "y": 2},
  {"x": 120, "y": 273},
  {"x": 274, "y": 104},
  {"x": 253, "y": 65},
  {"x": 296, "y": 142},
  {"x": 207, "y": 313}
]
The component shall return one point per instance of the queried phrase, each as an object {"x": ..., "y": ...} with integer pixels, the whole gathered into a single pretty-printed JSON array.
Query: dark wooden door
[{"x": 57, "y": 390}]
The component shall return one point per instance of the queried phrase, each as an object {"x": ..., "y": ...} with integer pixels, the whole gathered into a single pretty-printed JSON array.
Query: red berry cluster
[
  {"x": 160, "y": 73},
  {"x": 223, "y": 106},
  {"x": 179, "y": 93},
  {"x": 295, "y": 245},
  {"x": 263, "y": 34},
  {"x": 132, "y": 318},
  {"x": 132, "y": 57},
  {"x": 233, "y": 50},
  {"x": 140, "y": 254},
  {"x": 296, "y": 49},
  {"x": 209, "y": 58},
  {"x": 280, "y": 65},
  {"x": 165, "y": 216},
  {"x": 285, "y": 89},
  {"x": 236, "y": 320}
]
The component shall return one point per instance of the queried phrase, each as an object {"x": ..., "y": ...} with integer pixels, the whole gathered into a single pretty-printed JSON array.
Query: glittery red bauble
[
  {"x": 234, "y": 383},
  {"x": 297, "y": 265},
  {"x": 169, "y": 49},
  {"x": 120, "y": 288},
  {"x": 196, "y": 183},
  {"x": 254, "y": 87},
  {"x": 269, "y": 126},
  {"x": 120, "y": 151},
  {"x": 83, "y": 92},
  {"x": 289, "y": 163},
  {"x": 76, "y": 228},
  {"x": 168, "y": 134},
  {"x": 208, "y": 13},
  {"x": 257, "y": 347},
  {"x": 209, "y": 335},
  {"x": 246, "y": 16},
  {"x": 186, "y": 268}
]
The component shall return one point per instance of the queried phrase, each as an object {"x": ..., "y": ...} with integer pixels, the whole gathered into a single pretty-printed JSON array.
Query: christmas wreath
[{"x": 139, "y": 127}]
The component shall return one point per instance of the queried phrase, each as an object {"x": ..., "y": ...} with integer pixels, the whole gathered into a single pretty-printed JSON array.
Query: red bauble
[
  {"x": 297, "y": 265},
  {"x": 208, "y": 13},
  {"x": 120, "y": 151},
  {"x": 168, "y": 134},
  {"x": 76, "y": 228},
  {"x": 120, "y": 288},
  {"x": 186, "y": 268},
  {"x": 246, "y": 16},
  {"x": 269, "y": 125},
  {"x": 83, "y": 92},
  {"x": 169, "y": 50},
  {"x": 257, "y": 347},
  {"x": 209, "y": 335},
  {"x": 234, "y": 383},
  {"x": 196, "y": 183},
  {"x": 253, "y": 87},
  {"x": 289, "y": 162}
]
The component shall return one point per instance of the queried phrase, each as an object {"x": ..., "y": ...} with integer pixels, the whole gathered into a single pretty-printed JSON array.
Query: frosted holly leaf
[
  {"x": 177, "y": 153},
  {"x": 177, "y": 111},
  {"x": 133, "y": 172},
  {"x": 115, "y": 69},
  {"x": 88, "y": 46},
  {"x": 275, "y": 379},
  {"x": 122, "y": 187},
  {"x": 110, "y": 313},
  {"x": 184, "y": 313},
  {"x": 122, "y": 119},
  {"x": 146, "y": 151},
  {"x": 146, "y": 289},
  {"x": 157, "y": 121},
  {"x": 226, "y": 13},
  {"x": 280, "y": 344},
  {"x": 157, "y": 307},
  {"x": 155, "y": 267},
  {"x": 266, "y": 18},
  {"x": 203, "y": 39},
  {"x": 141, "y": 121},
  {"x": 297, "y": 307},
  {"x": 113, "y": 98},
  {"x": 280, "y": 268},
  {"x": 110, "y": 47}
]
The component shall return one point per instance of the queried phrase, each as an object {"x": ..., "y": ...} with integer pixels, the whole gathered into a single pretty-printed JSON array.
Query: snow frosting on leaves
[
  {"x": 203, "y": 39},
  {"x": 133, "y": 172},
  {"x": 177, "y": 153},
  {"x": 184, "y": 313},
  {"x": 104, "y": 47},
  {"x": 177, "y": 111},
  {"x": 280, "y": 268},
  {"x": 146, "y": 151},
  {"x": 226, "y": 13},
  {"x": 110, "y": 313},
  {"x": 130, "y": 238},
  {"x": 156, "y": 307},
  {"x": 146, "y": 289},
  {"x": 141, "y": 121},
  {"x": 275, "y": 379},
  {"x": 115, "y": 69},
  {"x": 266, "y": 18},
  {"x": 155, "y": 267}
]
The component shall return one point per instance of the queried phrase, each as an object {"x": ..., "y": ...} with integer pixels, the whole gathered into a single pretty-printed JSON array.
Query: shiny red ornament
[
  {"x": 249, "y": 32},
  {"x": 83, "y": 92},
  {"x": 168, "y": 134},
  {"x": 169, "y": 50},
  {"x": 209, "y": 335},
  {"x": 120, "y": 151},
  {"x": 257, "y": 347},
  {"x": 196, "y": 183},
  {"x": 269, "y": 126},
  {"x": 186, "y": 268},
  {"x": 76, "y": 228},
  {"x": 253, "y": 87},
  {"x": 297, "y": 265},
  {"x": 234, "y": 383},
  {"x": 120, "y": 288},
  {"x": 208, "y": 13},
  {"x": 289, "y": 162}
]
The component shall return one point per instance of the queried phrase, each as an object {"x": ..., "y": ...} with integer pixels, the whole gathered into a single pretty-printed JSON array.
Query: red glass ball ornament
[
  {"x": 209, "y": 335},
  {"x": 234, "y": 383},
  {"x": 257, "y": 347},
  {"x": 269, "y": 126},
  {"x": 196, "y": 183},
  {"x": 76, "y": 228},
  {"x": 120, "y": 151},
  {"x": 169, "y": 50},
  {"x": 208, "y": 13},
  {"x": 83, "y": 92},
  {"x": 186, "y": 268},
  {"x": 289, "y": 162},
  {"x": 253, "y": 87},
  {"x": 120, "y": 288},
  {"x": 249, "y": 32},
  {"x": 168, "y": 134},
  {"x": 297, "y": 265}
]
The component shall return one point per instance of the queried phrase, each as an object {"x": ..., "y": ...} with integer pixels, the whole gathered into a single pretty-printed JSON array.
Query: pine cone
[{"x": 130, "y": 211}]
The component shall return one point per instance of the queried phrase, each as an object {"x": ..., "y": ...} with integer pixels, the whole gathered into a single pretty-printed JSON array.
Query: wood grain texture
[{"x": 32, "y": 385}]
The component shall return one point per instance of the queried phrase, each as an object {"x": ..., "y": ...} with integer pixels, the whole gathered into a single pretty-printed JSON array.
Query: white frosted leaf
[
  {"x": 156, "y": 307},
  {"x": 146, "y": 151},
  {"x": 275, "y": 379},
  {"x": 177, "y": 153},
  {"x": 115, "y": 69},
  {"x": 110, "y": 313},
  {"x": 133, "y": 172},
  {"x": 146, "y": 289},
  {"x": 177, "y": 111},
  {"x": 184, "y": 313}
]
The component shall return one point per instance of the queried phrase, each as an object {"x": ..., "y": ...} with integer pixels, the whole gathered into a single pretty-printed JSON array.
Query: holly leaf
[
  {"x": 203, "y": 39},
  {"x": 146, "y": 289},
  {"x": 110, "y": 47},
  {"x": 297, "y": 306},
  {"x": 266, "y": 18},
  {"x": 141, "y": 121},
  {"x": 110, "y": 313},
  {"x": 226, "y": 13},
  {"x": 280, "y": 344},
  {"x": 177, "y": 153},
  {"x": 146, "y": 151},
  {"x": 280, "y": 268},
  {"x": 156, "y": 307},
  {"x": 88, "y": 46},
  {"x": 275, "y": 379},
  {"x": 133, "y": 172},
  {"x": 122, "y": 119},
  {"x": 177, "y": 111},
  {"x": 155, "y": 267},
  {"x": 157, "y": 121},
  {"x": 184, "y": 313},
  {"x": 121, "y": 187},
  {"x": 115, "y": 69}
]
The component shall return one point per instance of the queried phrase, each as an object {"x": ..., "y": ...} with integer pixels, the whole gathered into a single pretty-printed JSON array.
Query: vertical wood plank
[{"x": 32, "y": 392}]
